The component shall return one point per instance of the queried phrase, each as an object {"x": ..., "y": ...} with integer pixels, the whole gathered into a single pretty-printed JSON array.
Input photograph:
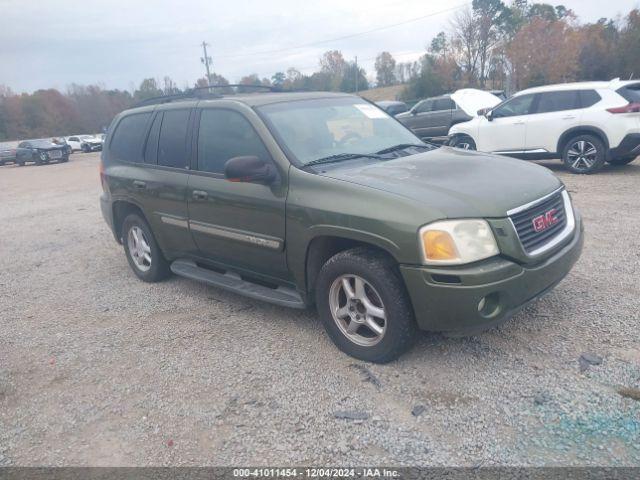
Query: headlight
[{"x": 455, "y": 242}]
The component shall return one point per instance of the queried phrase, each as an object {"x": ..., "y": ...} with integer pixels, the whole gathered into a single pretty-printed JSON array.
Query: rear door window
[
  {"x": 558, "y": 101},
  {"x": 172, "y": 145},
  {"x": 443, "y": 104},
  {"x": 588, "y": 98},
  {"x": 224, "y": 134},
  {"x": 129, "y": 137}
]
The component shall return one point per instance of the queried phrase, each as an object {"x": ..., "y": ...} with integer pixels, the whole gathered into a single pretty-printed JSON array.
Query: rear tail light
[
  {"x": 630, "y": 108},
  {"x": 103, "y": 178}
]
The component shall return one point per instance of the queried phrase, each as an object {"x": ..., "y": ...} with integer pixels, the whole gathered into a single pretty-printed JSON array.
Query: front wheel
[
  {"x": 584, "y": 154},
  {"x": 364, "y": 307},
  {"x": 465, "y": 142},
  {"x": 143, "y": 253}
]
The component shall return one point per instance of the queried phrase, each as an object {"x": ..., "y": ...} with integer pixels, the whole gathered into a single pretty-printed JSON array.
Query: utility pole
[
  {"x": 357, "y": 74},
  {"x": 206, "y": 60}
]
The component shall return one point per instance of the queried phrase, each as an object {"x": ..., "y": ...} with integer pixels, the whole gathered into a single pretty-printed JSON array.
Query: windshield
[
  {"x": 315, "y": 129},
  {"x": 86, "y": 137}
]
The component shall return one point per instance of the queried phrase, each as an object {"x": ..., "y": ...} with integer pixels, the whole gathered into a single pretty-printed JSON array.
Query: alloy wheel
[
  {"x": 582, "y": 155},
  {"x": 139, "y": 248},
  {"x": 357, "y": 310}
]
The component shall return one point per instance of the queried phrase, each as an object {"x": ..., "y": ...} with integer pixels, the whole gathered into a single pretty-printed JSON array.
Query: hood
[
  {"x": 471, "y": 100},
  {"x": 457, "y": 183}
]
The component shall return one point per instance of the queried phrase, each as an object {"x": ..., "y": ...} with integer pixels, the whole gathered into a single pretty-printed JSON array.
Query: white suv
[{"x": 586, "y": 124}]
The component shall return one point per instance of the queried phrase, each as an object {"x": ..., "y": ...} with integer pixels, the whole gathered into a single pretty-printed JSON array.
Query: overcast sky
[{"x": 117, "y": 43}]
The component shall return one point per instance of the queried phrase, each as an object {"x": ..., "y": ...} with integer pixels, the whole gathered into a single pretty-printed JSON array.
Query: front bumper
[
  {"x": 447, "y": 299},
  {"x": 629, "y": 146}
]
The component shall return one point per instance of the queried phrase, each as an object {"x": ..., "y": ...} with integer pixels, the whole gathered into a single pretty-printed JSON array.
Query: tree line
[{"x": 489, "y": 44}]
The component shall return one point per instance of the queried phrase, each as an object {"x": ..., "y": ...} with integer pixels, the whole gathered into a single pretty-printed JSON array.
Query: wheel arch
[
  {"x": 322, "y": 247},
  {"x": 453, "y": 136},
  {"x": 121, "y": 209},
  {"x": 582, "y": 130}
]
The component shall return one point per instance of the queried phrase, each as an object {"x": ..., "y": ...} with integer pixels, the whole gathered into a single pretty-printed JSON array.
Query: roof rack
[{"x": 197, "y": 92}]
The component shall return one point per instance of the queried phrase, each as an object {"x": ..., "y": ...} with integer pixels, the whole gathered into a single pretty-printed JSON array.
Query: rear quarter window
[
  {"x": 129, "y": 136},
  {"x": 631, "y": 93}
]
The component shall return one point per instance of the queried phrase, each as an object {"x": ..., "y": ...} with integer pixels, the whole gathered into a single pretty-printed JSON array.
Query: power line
[{"x": 320, "y": 42}]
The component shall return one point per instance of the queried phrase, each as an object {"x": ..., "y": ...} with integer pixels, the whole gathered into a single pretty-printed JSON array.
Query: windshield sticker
[{"x": 370, "y": 111}]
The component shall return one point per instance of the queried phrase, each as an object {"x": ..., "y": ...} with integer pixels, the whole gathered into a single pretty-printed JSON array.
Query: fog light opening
[
  {"x": 481, "y": 304},
  {"x": 489, "y": 306}
]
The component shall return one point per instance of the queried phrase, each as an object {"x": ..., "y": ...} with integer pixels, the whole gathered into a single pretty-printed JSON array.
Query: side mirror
[
  {"x": 250, "y": 169},
  {"x": 483, "y": 112}
]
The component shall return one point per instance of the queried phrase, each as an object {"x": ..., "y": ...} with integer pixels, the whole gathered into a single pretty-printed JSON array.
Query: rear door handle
[
  {"x": 199, "y": 194},
  {"x": 139, "y": 184},
  {"x": 519, "y": 123}
]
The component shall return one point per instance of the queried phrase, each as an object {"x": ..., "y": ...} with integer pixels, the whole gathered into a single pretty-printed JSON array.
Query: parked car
[
  {"x": 393, "y": 107},
  {"x": 62, "y": 141},
  {"x": 40, "y": 151},
  {"x": 585, "y": 124},
  {"x": 432, "y": 118},
  {"x": 84, "y": 143},
  {"x": 8, "y": 153},
  {"x": 322, "y": 198}
]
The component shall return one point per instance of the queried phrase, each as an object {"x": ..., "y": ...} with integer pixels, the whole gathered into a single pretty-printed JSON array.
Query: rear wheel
[
  {"x": 465, "y": 142},
  {"x": 584, "y": 154},
  {"x": 142, "y": 251},
  {"x": 364, "y": 307},
  {"x": 621, "y": 161}
]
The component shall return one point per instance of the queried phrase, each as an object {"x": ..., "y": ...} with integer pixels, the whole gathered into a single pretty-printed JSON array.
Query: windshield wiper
[
  {"x": 341, "y": 156},
  {"x": 402, "y": 146}
]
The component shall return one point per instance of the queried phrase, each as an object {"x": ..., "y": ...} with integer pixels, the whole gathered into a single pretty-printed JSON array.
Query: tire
[
  {"x": 384, "y": 292},
  {"x": 464, "y": 142},
  {"x": 584, "y": 154},
  {"x": 618, "y": 162},
  {"x": 156, "y": 268},
  {"x": 86, "y": 149}
]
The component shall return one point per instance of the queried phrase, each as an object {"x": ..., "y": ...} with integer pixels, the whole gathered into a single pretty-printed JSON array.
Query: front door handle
[
  {"x": 569, "y": 117},
  {"x": 139, "y": 184},
  {"x": 199, "y": 194},
  {"x": 519, "y": 123}
]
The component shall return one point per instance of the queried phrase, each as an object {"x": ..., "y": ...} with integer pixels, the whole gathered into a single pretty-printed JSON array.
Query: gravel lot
[{"x": 98, "y": 368}]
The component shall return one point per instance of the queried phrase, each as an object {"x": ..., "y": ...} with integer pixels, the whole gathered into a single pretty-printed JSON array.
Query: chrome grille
[{"x": 523, "y": 223}]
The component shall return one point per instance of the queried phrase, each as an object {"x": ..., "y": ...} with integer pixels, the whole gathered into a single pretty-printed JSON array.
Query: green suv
[{"x": 321, "y": 198}]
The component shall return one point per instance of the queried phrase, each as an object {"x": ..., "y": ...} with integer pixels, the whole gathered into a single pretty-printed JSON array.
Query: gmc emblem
[{"x": 544, "y": 221}]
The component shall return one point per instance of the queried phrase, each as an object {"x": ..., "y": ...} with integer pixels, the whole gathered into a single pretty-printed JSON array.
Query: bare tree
[{"x": 465, "y": 36}]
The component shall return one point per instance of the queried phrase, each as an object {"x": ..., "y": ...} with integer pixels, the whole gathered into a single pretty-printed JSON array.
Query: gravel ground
[{"x": 98, "y": 368}]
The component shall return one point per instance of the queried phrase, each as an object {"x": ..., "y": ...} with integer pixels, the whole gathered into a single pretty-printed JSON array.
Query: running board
[{"x": 285, "y": 297}]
